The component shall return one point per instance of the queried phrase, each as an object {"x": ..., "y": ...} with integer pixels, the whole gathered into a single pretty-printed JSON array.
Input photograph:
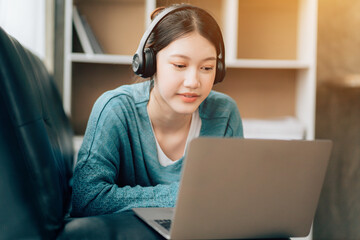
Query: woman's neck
[
  {"x": 165, "y": 119},
  {"x": 170, "y": 128}
]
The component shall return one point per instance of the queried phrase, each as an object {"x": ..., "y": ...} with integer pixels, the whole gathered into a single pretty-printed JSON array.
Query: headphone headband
[
  {"x": 152, "y": 25},
  {"x": 145, "y": 57},
  {"x": 138, "y": 59}
]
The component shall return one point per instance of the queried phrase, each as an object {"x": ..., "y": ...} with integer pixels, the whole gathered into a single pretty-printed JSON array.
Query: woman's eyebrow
[{"x": 186, "y": 57}]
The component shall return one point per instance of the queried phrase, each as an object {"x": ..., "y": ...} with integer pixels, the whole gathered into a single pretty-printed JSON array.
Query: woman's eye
[
  {"x": 179, "y": 65},
  {"x": 207, "y": 68}
]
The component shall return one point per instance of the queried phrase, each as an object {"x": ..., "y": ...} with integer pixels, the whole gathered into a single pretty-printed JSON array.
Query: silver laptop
[{"x": 245, "y": 188}]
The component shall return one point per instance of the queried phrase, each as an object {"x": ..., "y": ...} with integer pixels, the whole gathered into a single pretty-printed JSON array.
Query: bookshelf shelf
[
  {"x": 101, "y": 58},
  {"x": 239, "y": 63},
  {"x": 270, "y": 64}
]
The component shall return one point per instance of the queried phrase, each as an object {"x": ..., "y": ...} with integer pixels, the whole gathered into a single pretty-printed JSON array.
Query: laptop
[{"x": 244, "y": 188}]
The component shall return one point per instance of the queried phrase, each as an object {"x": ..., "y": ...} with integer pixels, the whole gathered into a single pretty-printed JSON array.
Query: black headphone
[{"x": 144, "y": 60}]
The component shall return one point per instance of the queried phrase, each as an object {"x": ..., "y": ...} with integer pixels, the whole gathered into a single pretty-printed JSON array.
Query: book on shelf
[
  {"x": 87, "y": 38},
  {"x": 93, "y": 40}
]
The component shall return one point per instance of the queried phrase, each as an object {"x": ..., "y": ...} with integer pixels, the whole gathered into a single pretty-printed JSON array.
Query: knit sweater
[{"x": 118, "y": 167}]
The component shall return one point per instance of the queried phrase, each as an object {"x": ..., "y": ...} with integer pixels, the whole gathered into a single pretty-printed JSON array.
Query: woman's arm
[
  {"x": 95, "y": 189},
  {"x": 96, "y": 193}
]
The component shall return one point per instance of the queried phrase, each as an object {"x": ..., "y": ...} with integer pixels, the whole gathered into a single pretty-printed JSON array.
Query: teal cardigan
[{"x": 118, "y": 167}]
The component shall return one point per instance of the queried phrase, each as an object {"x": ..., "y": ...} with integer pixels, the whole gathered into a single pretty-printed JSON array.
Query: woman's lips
[{"x": 188, "y": 97}]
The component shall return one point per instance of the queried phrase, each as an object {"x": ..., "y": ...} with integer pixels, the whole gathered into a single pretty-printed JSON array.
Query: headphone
[{"x": 144, "y": 60}]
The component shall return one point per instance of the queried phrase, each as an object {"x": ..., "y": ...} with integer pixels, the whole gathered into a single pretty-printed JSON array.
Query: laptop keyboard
[{"x": 165, "y": 223}]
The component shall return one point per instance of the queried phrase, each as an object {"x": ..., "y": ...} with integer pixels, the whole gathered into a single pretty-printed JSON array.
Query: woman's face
[{"x": 185, "y": 74}]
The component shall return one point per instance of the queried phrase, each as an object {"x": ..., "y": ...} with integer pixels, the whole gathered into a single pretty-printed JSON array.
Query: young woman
[{"x": 136, "y": 137}]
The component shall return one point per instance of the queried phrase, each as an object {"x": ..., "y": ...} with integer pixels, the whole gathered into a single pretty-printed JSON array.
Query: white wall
[{"x": 25, "y": 20}]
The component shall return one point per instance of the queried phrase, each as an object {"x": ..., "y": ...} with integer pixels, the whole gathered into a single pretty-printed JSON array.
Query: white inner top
[{"x": 194, "y": 132}]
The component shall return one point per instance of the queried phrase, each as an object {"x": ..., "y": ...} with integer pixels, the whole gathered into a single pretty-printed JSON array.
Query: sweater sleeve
[
  {"x": 95, "y": 189},
  {"x": 234, "y": 126},
  {"x": 95, "y": 193}
]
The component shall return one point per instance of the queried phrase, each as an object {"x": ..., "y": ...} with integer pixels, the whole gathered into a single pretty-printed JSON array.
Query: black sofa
[{"x": 36, "y": 159}]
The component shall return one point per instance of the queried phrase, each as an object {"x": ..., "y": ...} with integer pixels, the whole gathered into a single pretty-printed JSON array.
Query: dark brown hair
[{"x": 182, "y": 22}]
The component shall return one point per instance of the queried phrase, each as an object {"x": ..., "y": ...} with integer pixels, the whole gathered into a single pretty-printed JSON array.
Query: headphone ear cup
[
  {"x": 137, "y": 64},
  {"x": 150, "y": 63},
  {"x": 220, "y": 72}
]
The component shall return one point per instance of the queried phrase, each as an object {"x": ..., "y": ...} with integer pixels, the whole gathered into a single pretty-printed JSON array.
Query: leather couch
[{"x": 36, "y": 159}]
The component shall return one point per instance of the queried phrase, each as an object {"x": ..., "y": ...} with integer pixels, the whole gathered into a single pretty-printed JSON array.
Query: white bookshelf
[
  {"x": 270, "y": 56},
  {"x": 282, "y": 58}
]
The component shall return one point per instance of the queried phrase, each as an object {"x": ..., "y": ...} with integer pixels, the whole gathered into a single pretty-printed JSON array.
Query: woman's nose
[{"x": 192, "y": 79}]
